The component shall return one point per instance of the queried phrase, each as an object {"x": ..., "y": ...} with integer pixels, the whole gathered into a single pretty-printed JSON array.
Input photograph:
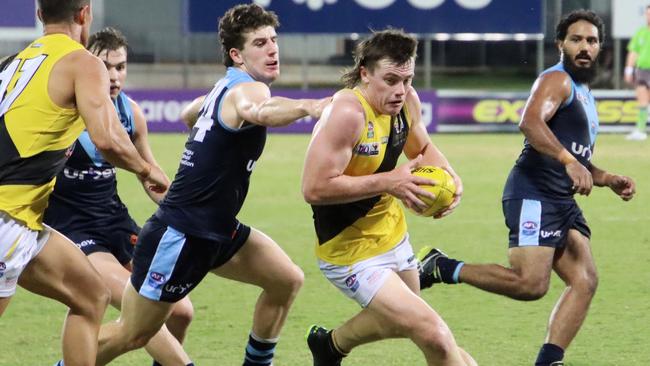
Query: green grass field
[{"x": 494, "y": 329}]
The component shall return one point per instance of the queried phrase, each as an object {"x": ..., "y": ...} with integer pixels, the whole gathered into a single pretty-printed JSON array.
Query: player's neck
[
  {"x": 364, "y": 94},
  {"x": 62, "y": 28}
]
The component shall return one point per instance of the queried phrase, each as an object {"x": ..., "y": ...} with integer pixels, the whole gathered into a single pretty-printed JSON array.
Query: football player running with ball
[{"x": 353, "y": 183}]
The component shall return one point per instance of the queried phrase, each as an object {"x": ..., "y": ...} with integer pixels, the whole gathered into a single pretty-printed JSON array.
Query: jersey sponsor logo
[
  {"x": 186, "y": 158},
  {"x": 156, "y": 279},
  {"x": 582, "y": 98},
  {"x": 178, "y": 289},
  {"x": 529, "y": 228},
  {"x": 251, "y": 165},
  {"x": 85, "y": 243},
  {"x": 367, "y": 149},
  {"x": 87, "y": 174},
  {"x": 352, "y": 283},
  {"x": 371, "y": 130},
  {"x": 581, "y": 150},
  {"x": 550, "y": 234}
]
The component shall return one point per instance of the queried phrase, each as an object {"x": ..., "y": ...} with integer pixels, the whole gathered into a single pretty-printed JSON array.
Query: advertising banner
[
  {"x": 442, "y": 111},
  {"x": 359, "y": 16},
  {"x": 466, "y": 111}
]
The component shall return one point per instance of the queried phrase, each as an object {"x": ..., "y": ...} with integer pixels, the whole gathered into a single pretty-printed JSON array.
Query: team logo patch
[
  {"x": 529, "y": 228},
  {"x": 156, "y": 279},
  {"x": 352, "y": 283},
  {"x": 371, "y": 130},
  {"x": 411, "y": 258},
  {"x": 3, "y": 266}
]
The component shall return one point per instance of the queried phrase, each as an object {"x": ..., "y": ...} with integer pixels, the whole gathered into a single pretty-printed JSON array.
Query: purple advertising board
[
  {"x": 467, "y": 111},
  {"x": 162, "y": 108},
  {"x": 17, "y": 14}
]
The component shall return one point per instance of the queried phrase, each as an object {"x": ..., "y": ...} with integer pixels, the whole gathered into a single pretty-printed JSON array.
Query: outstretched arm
[{"x": 253, "y": 103}]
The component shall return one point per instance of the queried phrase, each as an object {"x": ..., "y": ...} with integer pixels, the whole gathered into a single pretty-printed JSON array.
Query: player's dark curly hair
[
  {"x": 109, "y": 39},
  {"x": 239, "y": 20},
  {"x": 576, "y": 15},
  {"x": 57, "y": 11},
  {"x": 392, "y": 44}
]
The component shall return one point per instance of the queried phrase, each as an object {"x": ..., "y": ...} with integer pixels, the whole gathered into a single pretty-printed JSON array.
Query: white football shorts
[
  {"x": 362, "y": 280},
  {"x": 18, "y": 245}
]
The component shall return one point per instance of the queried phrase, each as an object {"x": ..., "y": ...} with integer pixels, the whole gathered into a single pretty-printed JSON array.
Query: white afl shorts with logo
[
  {"x": 18, "y": 245},
  {"x": 361, "y": 281}
]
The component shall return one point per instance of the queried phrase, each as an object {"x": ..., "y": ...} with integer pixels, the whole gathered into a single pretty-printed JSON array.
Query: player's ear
[
  {"x": 235, "y": 55},
  {"x": 83, "y": 15},
  {"x": 363, "y": 72},
  {"x": 39, "y": 14}
]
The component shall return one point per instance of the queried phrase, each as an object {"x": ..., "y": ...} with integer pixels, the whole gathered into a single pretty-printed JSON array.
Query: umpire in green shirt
[{"x": 637, "y": 72}]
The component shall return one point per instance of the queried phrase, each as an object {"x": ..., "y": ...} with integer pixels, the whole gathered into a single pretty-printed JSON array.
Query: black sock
[
  {"x": 333, "y": 349},
  {"x": 155, "y": 363},
  {"x": 259, "y": 351},
  {"x": 549, "y": 353},
  {"x": 447, "y": 268}
]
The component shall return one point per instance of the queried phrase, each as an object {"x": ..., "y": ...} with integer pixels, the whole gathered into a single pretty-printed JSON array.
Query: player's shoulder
[
  {"x": 553, "y": 80},
  {"x": 248, "y": 90},
  {"x": 346, "y": 101},
  {"x": 81, "y": 61}
]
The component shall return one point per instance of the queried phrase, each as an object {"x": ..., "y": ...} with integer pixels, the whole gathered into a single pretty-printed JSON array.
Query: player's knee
[
  {"x": 91, "y": 301},
  {"x": 138, "y": 340},
  {"x": 586, "y": 283},
  {"x": 531, "y": 288},
  {"x": 439, "y": 339},
  {"x": 292, "y": 282},
  {"x": 183, "y": 313}
]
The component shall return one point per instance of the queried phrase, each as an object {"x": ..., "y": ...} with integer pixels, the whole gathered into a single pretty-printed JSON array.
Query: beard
[{"x": 582, "y": 75}]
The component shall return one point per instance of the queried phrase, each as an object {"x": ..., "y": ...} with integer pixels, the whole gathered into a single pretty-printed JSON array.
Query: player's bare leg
[
  {"x": 140, "y": 320},
  {"x": 396, "y": 311},
  {"x": 261, "y": 262},
  {"x": 577, "y": 269},
  {"x": 116, "y": 277},
  {"x": 62, "y": 272},
  {"x": 4, "y": 302},
  {"x": 527, "y": 278}
]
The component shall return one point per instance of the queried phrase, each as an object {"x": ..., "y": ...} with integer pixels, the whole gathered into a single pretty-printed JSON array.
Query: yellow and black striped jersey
[
  {"x": 351, "y": 232},
  {"x": 36, "y": 135}
]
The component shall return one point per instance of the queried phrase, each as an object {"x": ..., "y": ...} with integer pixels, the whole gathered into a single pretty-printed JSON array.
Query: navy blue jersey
[
  {"x": 212, "y": 179},
  {"x": 85, "y": 192},
  {"x": 541, "y": 177}
]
